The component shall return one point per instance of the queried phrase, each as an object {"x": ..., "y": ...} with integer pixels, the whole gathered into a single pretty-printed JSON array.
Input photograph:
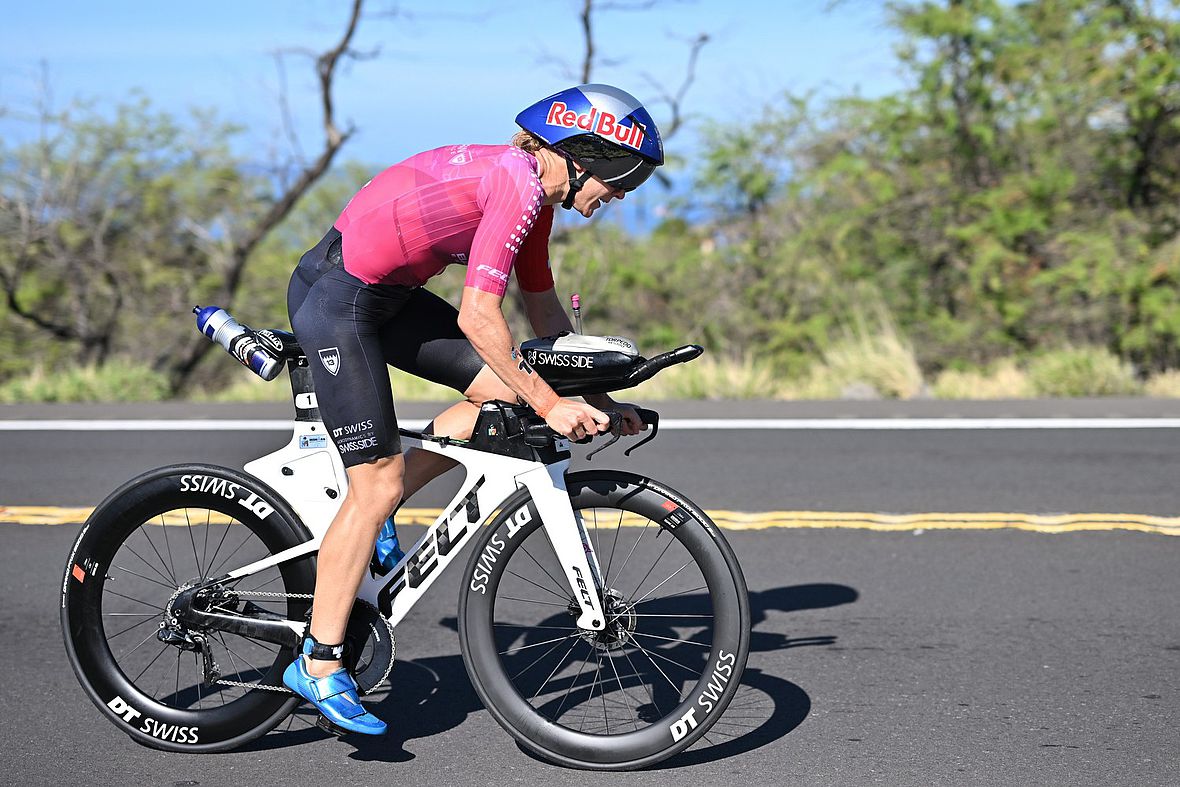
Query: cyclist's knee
[
  {"x": 377, "y": 487},
  {"x": 486, "y": 387}
]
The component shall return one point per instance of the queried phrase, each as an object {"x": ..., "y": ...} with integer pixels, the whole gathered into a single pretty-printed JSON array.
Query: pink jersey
[{"x": 478, "y": 205}]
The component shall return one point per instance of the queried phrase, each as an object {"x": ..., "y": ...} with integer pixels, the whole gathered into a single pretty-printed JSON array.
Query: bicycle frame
[{"x": 309, "y": 474}]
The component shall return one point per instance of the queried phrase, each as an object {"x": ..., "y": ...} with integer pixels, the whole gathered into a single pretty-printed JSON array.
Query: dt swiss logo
[{"x": 602, "y": 123}]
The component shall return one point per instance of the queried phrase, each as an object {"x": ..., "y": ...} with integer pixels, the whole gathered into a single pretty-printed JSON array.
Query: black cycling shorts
[{"x": 350, "y": 331}]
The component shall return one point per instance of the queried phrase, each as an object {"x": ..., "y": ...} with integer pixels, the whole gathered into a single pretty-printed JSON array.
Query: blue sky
[{"x": 447, "y": 72}]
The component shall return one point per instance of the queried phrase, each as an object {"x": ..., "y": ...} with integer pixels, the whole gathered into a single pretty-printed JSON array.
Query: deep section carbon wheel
[
  {"x": 666, "y": 665},
  {"x": 167, "y": 685}
]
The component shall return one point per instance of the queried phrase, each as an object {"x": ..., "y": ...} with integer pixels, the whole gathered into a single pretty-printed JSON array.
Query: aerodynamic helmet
[{"x": 604, "y": 129}]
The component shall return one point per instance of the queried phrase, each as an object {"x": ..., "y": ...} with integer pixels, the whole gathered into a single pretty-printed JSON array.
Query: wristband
[{"x": 547, "y": 408}]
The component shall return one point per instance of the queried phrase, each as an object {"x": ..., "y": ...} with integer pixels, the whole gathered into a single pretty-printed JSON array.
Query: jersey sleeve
[
  {"x": 532, "y": 265},
  {"x": 510, "y": 198}
]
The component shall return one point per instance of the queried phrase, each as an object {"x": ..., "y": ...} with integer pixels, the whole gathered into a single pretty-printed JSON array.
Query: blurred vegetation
[{"x": 1005, "y": 225}]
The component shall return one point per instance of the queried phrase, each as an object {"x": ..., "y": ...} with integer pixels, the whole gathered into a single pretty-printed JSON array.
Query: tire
[
  {"x": 670, "y": 659},
  {"x": 131, "y": 557}
]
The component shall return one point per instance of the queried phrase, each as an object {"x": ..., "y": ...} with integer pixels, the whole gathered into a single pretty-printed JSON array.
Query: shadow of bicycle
[{"x": 434, "y": 695}]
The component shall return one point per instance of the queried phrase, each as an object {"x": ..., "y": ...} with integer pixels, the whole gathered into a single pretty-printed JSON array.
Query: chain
[{"x": 284, "y": 689}]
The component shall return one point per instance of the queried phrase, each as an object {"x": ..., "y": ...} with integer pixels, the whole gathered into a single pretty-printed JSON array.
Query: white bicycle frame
[{"x": 309, "y": 474}]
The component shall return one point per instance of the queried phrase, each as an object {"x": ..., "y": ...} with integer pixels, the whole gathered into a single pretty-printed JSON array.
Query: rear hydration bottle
[{"x": 238, "y": 340}]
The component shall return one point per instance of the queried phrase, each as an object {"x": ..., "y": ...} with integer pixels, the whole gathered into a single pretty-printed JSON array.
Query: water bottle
[
  {"x": 238, "y": 341},
  {"x": 388, "y": 552}
]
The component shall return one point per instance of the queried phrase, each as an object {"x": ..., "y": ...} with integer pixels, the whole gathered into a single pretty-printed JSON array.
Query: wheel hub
[{"x": 620, "y": 622}]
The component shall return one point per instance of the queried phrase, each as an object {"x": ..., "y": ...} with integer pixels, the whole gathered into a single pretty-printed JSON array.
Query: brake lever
[
  {"x": 616, "y": 430},
  {"x": 652, "y": 419}
]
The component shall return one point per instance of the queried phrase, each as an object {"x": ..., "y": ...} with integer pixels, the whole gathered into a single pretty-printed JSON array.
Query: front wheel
[{"x": 667, "y": 663}]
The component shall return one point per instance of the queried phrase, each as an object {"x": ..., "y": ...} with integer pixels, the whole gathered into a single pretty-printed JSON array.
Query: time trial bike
[{"x": 603, "y": 618}]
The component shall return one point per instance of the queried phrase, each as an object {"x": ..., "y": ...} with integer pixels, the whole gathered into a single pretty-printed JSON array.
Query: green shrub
[
  {"x": 250, "y": 388},
  {"x": 1165, "y": 385},
  {"x": 117, "y": 381},
  {"x": 709, "y": 378},
  {"x": 1003, "y": 380},
  {"x": 1082, "y": 371}
]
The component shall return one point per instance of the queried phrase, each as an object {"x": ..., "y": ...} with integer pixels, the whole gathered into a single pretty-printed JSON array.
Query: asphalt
[{"x": 995, "y": 657}]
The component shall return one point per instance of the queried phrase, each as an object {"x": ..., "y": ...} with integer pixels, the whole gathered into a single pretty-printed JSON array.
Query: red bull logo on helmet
[{"x": 598, "y": 121}]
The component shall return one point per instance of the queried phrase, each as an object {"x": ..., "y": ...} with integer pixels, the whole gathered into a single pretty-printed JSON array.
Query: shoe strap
[{"x": 339, "y": 682}]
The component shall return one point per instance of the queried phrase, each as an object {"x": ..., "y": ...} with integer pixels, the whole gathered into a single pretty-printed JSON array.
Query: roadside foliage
[{"x": 1011, "y": 214}]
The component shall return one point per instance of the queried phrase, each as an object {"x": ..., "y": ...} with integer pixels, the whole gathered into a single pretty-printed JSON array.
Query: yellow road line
[{"x": 736, "y": 520}]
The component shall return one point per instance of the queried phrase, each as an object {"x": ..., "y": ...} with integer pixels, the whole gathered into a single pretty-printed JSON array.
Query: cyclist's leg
[
  {"x": 424, "y": 339},
  {"x": 338, "y": 323}
]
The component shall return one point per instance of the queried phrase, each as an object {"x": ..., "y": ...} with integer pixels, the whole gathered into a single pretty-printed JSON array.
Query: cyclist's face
[{"x": 594, "y": 195}]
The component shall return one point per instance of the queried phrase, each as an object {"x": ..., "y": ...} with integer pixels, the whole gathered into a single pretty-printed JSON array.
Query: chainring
[{"x": 369, "y": 647}]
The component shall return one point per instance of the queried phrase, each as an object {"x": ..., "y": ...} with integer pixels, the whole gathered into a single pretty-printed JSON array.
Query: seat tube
[{"x": 546, "y": 485}]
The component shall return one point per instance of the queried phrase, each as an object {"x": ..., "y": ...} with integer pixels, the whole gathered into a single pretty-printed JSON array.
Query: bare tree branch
[
  {"x": 334, "y": 138},
  {"x": 676, "y": 100}
]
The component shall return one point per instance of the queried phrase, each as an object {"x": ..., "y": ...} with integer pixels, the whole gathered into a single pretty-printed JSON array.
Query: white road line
[{"x": 868, "y": 424}]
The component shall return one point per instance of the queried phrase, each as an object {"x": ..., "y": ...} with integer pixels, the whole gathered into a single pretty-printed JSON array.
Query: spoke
[
  {"x": 644, "y": 683},
  {"x": 534, "y": 584},
  {"x": 530, "y": 554},
  {"x": 618, "y": 529},
  {"x": 213, "y": 560},
  {"x": 200, "y": 672},
  {"x": 163, "y": 648},
  {"x": 233, "y": 653},
  {"x": 168, "y": 544},
  {"x": 653, "y": 566},
  {"x": 674, "y": 595},
  {"x": 205, "y": 548},
  {"x": 619, "y": 680},
  {"x": 149, "y": 565},
  {"x": 539, "y": 658},
  {"x": 148, "y": 579},
  {"x": 602, "y": 693},
  {"x": 129, "y": 615},
  {"x": 176, "y": 696},
  {"x": 535, "y": 645},
  {"x": 137, "y": 647},
  {"x": 593, "y": 686},
  {"x": 623, "y": 567},
  {"x": 531, "y": 628},
  {"x": 643, "y": 650},
  {"x": 662, "y": 657},
  {"x": 561, "y": 661},
  {"x": 650, "y": 615},
  {"x": 193, "y": 540},
  {"x": 670, "y": 639},
  {"x": 216, "y": 570},
  {"x": 534, "y": 601},
  {"x": 573, "y": 682},
  {"x": 657, "y": 587},
  {"x": 135, "y": 625},
  {"x": 129, "y": 598}
]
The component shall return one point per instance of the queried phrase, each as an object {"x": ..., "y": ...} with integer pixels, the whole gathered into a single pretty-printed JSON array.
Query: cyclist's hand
[
  {"x": 576, "y": 420},
  {"x": 632, "y": 423}
]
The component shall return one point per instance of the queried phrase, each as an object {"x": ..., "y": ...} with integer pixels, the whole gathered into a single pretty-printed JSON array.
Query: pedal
[{"x": 330, "y": 727}]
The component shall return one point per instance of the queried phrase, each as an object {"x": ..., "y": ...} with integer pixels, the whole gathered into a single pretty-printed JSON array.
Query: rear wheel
[
  {"x": 669, "y": 659},
  {"x": 166, "y": 530}
]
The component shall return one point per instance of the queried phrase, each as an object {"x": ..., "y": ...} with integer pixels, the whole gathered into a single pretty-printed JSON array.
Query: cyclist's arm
[
  {"x": 547, "y": 316},
  {"x": 483, "y": 323}
]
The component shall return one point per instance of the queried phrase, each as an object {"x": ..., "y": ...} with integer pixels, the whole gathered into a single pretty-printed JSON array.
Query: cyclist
[{"x": 357, "y": 303}]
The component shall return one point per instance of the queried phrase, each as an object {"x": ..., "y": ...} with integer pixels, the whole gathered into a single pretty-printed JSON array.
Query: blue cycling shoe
[{"x": 334, "y": 696}]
